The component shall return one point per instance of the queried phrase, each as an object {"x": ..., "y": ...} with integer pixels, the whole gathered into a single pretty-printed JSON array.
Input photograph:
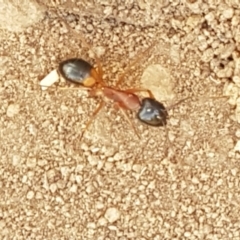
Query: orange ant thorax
[{"x": 125, "y": 99}]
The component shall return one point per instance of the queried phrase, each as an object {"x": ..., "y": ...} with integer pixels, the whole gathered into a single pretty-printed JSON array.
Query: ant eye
[{"x": 152, "y": 112}]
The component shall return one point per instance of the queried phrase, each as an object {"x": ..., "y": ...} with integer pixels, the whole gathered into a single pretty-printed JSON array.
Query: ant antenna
[
  {"x": 87, "y": 45},
  {"x": 177, "y": 103}
]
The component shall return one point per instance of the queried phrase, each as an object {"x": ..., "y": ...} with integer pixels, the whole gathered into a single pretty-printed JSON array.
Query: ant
[{"x": 149, "y": 110}]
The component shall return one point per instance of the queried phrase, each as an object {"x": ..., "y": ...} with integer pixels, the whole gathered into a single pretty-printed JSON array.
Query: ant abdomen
[
  {"x": 77, "y": 70},
  {"x": 152, "y": 113}
]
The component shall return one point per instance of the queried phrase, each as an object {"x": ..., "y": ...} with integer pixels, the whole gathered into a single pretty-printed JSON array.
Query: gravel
[{"x": 178, "y": 182}]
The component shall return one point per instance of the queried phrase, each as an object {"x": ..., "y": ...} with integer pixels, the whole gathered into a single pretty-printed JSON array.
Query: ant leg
[
  {"x": 140, "y": 90},
  {"x": 97, "y": 74},
  {"x": 100, "y": 106},
  {"x": 134, "y": 62},
  {"x": 118, "y": 106}
]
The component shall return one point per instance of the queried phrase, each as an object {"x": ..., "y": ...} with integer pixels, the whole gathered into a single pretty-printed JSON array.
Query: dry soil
[{"x": 178, "y": 182}]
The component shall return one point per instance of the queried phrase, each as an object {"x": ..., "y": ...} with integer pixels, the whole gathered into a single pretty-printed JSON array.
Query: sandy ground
[{"x": 108, "y": 184}]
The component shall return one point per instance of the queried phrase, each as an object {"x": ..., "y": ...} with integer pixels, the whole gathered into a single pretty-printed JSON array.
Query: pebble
[{"x": 112, "y": 214}]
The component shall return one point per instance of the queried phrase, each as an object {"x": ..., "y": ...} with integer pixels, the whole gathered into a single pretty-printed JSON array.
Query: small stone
[
  {"x": 109, "y": 151},
  {"x": 2, "y": 224},
  {"x": 73, "y": 188},
  {"x": 61, "y": 184},
  {"x": 117, "y": 157},
  {"x": 210, "y": 16},
  {"x": 108, "y": 10},
  {"x": 99, "y": 205},
  {"x": 49, "y": 80},
  {"x": 100, "y": 51},
  {"x": 90, "y": 189},
  {"x": 42, "y": 162},
  {"x": 195, "y": 180},
  {"x": 230, "y": 89},
  {"x": 89, "y": 27},
  {"x": 190, "y": 209},
  {"x": 175, "y": 53},
  {"x": 227, "y": 50},
  {"x": 237, "y": 146},
  {"x": 94, "y": 149},
  {"x": 236, "y": 79},
  {"x": 16, "y": 160},
  {"x": 112, "y": 214},
  {"x": 228, "y": 13},
  {"x": 53, "y": 187},
  {"x": 174, "y": 186},
  {"x": 12, "y": 110},
  {"x": 31, "y": 162},
  {"x": 161, "y": 84},
  {"x": 51, "y": 174},
  {"x": 93, "y": 160},
  {"x": 187, "y": 234},
  {"x": 137, "y": 168},
  {"x": 30, "y": 195},
  {"x": 112, "y": 228},
  {"x": 24, "y": 179},
  {"x": 207, "y": 229},
  {"x": 84, "y": 147},
  {"x": 193, "y": 20},
  {"x": 102, "y": 221},
  {"x": 219, "y": 182},
  {"x": 91, "y": 225},
  {"x": 39, "y": 195},
  {"x": 234, "y": 171}
]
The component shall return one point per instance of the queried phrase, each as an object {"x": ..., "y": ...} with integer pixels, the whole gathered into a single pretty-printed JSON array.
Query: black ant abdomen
[{"x": 77, "y": 70}]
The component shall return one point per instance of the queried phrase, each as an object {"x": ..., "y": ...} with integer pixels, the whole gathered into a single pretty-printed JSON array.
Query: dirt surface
[{"x": 178, "y": 182}]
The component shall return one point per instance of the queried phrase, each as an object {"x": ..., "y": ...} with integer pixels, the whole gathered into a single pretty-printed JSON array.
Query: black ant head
[{"x": 152, "y": 113}]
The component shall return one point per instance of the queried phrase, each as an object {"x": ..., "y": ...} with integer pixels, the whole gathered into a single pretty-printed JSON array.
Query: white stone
[
  {"x": 49, "y": 80},
  {"x": 12, "y": 110},
  {"x": 158, "y": 80},
  {"x": 237, "y": 146},
  {"x": 112, "y": 214}
]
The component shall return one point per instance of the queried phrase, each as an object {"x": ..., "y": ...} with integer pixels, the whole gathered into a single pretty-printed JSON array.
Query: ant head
[
  {"x": 152, "y": 112},
  {"x": 78, "y": 71}
]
